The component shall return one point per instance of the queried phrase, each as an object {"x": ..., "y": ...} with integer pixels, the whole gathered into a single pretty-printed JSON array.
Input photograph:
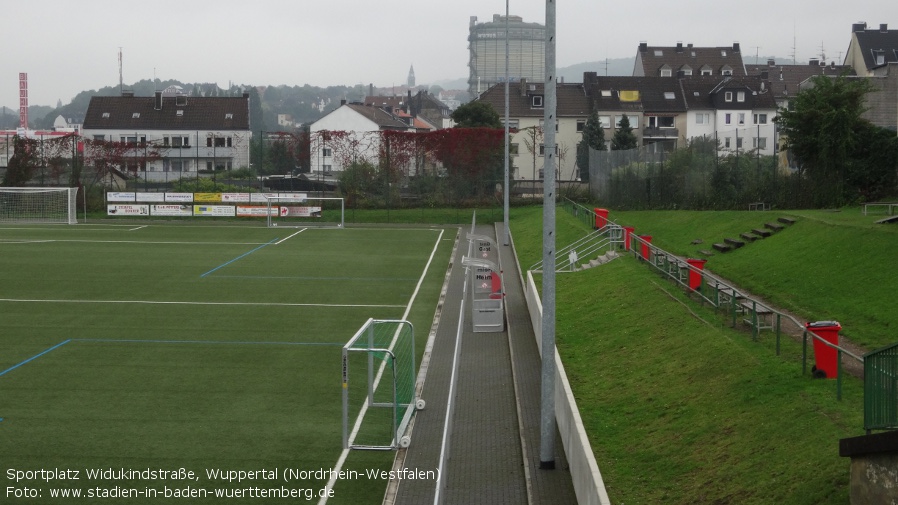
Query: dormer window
[
  {"x": 179, "y": 113},
  {"x": 723, "y": 53},
  {"x": 665, "y": 71},
  {"x": 606, "y": 93},
  {"x": 536, "y": 101},
  {"x": 728, "y": 96},
  {"x": 726, "y": 70},
  {"x": 740, "y": 96}
]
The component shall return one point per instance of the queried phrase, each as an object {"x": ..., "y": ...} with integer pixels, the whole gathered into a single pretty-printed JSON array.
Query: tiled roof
[
  {"x": 655, "y": 94},
  {"x": 570, "y": 99},
  {"x": 700, "y": 92},
  {"x": 680, "y": 57},
  {"x": 379, "y": 116},
  {"x": 138, "y": 113},
  {"x": 784, "y": 80},
  {"x": 875, "y": 41}
]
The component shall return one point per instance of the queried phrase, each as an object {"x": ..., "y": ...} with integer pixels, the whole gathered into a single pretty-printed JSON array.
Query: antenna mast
[{"x": 121, "y": 84}]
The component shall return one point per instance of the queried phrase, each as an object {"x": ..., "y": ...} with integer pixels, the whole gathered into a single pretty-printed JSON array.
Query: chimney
[
  {"x": 771, "y": 62},
  {"x": 157, "y": 101},
  {"x": 679, "y": 47},
  {"x": 884, "y": 28},
  {"x": 858, "y": 27},
  {"x": 814, "y": 62},
  {"x": 371, "y": 89},
  {"x": 342, "y": 102},
  {"x": 643, "y": 47},
  {"x": 765, "y": 74},
  {"x": 523, "y": 86},
  {"x": 735, "y": 47}
]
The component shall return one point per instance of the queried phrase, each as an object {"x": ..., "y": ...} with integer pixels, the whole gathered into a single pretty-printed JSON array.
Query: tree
[
  {"x": 23, "y": 163},
  {"x": 823, "y": 129},
  {"x": 624, "y": 138},
  {"x": 593, "y": 136},
  {"x": 476, "y": 114}
]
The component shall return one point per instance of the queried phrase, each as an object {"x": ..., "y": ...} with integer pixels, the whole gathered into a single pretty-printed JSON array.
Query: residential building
[
  {"x": 352, "y": 133},
  {"x": 486, "y": 46},
  {"x": 422, "y": 105},
  {"x": 688, "y": 61},
  {"x": 784, "y": 81},
  {"x": 873, "y": 53},
  {"x": 526, "y": 122},
  {"x": 192, "y": 134},
  {"x": 68, "y": 124},
  {"x": 654, "y": 106},
  {"x": 738, "y": 112}
]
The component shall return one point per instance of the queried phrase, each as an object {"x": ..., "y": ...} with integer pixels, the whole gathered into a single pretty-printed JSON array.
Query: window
[
  {"x": 726, "y": 142},
  {"x": 741, "y": 118},
  {"x": 668, "y": 95},
  {"x": 665, "y": 72},
  {"x": 209, "y": 166},
  {"x": 136, "y": 115},
  {"x": 513, "y": 124},
  {"x": 723, "y": 53},
  {"x": 542, "y": 124},
  {"x": 166, "y": 141},
  {"x": 727, "y": 118},
  {"x": 179, "y": 113},
  {"x": 726, "y": 71},
  {"x": 661, "y": 122},
  {"x": 229, "y": 142},
  {"x": 99, "y": 137},
  {"x": 229, "y": 116},
  {"x": 703, "y": 118},
  {"x": 728, "y": 96},
  {"x": 536, "y": 101},
  {"x": 581, "y": 125},
  {"x": 219, "y": 141},
  {"x": 542, "y": 149},
  {"x": 176, "y": 141},
  {"x": 606, "y": 93},
  {"x": 186, "y": 142},
  {"x": 105, "y": 115},
  {"x": 759, "y": 143},
  {"x": 541, "y": 174},
  {"x": 513, "y": 149},
  {"x": 659, "y": 52},
  {"x": 760, "y": 118},
  {"x": 740, "y": 96},
  {"x": 707, "y": 71},
  {"x": 605, "y": 121},
  {"x": 326, "y": 169},
  {"x": 208, "y": 141},
  {"x": 327, "y": 152},
  {"x": 177, "y": 166},
  {"x": 739, "y": 142}
]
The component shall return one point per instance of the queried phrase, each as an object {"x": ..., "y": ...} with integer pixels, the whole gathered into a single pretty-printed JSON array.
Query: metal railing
[
  {"x": 881, "y": 389},
  {"x": 724, "y": 296}
]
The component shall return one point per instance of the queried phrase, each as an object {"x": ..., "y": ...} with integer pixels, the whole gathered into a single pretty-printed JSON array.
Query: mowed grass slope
[
  {"x": 679, "y": 407},
  {"x": 197, "y": 347}
]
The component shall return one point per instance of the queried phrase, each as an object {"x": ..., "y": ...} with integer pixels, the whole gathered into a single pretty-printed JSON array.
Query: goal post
[
  {"x": 379, "y": 385},
  {"x": 38, "y": 205},
  {"x": 299, "y": 210}
]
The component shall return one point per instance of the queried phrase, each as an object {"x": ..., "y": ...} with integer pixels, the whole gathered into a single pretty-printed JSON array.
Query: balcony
[{"x": 660, "y": 133}]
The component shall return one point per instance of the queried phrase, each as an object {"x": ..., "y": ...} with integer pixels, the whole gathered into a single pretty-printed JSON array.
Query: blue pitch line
[
  {"x": 10, "y": 369},
  {"x": 218, "y": 342},
  {"x": 238, "y": 257}
]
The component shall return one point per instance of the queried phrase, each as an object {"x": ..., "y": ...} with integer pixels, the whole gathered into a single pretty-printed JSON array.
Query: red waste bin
[
  {"x": 825, "y": 357},
  {"x": 695, "y": 275},
  {"x": 646, "y": 240},
  {"x": 601, "y": 218},
  {"x": 628, "y": 230}
]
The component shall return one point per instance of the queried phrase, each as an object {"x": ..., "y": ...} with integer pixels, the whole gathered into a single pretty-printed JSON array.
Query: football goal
[
  {"x": 379, "y": 385},
  {"x": 299, "y": 210},
  {"x": 38, "y": 205}
]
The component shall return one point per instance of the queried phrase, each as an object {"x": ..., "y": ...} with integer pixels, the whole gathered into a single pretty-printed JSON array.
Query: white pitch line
[
  {"x": 345, "y": 453},
  {"x": 156, "y": 302},
  {"x": 138, "y": 228},
  {"x": 291, "y": 236}
]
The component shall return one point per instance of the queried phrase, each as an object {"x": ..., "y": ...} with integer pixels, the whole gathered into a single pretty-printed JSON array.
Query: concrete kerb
[{"x": 587, "y": 478}]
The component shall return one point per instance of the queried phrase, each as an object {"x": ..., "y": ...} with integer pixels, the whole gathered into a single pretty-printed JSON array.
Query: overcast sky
[{"x": 67, "y": 47}]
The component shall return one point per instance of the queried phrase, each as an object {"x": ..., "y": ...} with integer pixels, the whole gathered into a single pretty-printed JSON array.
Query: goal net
[
  {"x": 379, "y": 385},
  {"x": 38, "y": 205},
  {"x": 299, "y": 210}
]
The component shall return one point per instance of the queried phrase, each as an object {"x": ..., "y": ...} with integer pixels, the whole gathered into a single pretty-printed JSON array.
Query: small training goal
[
  {"x": 38, "y": 205},
  {"x": 379, "y": 385},
  {"x": 300, "y": 210}
]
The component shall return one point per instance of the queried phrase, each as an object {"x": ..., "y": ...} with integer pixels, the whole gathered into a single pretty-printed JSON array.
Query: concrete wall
[{"x": 588, "y": 483}]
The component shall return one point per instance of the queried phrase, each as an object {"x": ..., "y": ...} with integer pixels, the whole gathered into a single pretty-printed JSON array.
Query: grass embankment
[{"x": 679, "y": 407}]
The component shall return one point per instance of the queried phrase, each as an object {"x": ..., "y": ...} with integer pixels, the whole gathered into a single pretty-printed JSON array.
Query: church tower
[{"x": 411, "y": 76}]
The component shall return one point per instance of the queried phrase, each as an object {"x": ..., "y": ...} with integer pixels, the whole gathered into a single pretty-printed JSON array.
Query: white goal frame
[
  {"x": 274, "y": 203},
  {"x": 43, "y": 205},
  {"x": 390, "y": 356}
]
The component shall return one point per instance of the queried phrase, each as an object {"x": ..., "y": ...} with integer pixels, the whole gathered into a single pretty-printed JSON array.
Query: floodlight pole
[
  {"x": 547, "y": 403},
  {"x": 505, "y": 239}
]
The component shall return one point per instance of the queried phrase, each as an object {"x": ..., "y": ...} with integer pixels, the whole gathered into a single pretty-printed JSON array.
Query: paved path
[{"x": 494, "y": 438}]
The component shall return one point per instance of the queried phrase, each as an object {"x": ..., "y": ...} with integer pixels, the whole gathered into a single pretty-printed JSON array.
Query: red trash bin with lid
[
  {"x": 601, "y": 218},
  {"x": 826, "y": 358},
  {"x": 695, "y": 275},
  {"x": 647, "y": 239},
  {"x": 628, "y": 231}
]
